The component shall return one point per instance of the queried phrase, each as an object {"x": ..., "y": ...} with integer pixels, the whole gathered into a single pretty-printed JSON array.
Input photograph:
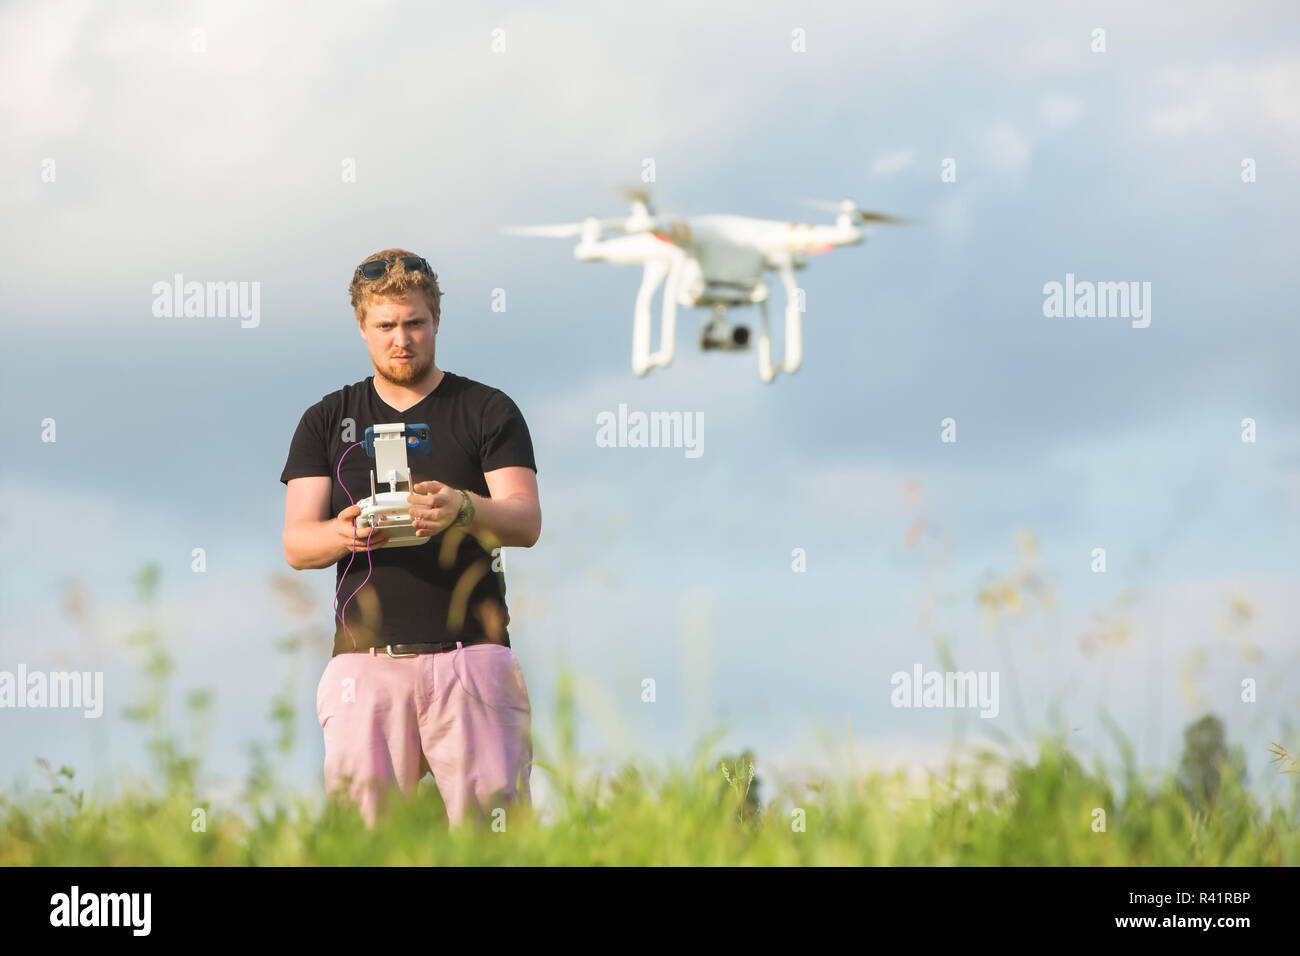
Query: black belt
[{"x": 411, "y": 650}]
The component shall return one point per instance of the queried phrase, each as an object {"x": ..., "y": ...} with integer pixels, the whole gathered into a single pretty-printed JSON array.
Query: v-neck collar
[{"x": 379, "y": 398}]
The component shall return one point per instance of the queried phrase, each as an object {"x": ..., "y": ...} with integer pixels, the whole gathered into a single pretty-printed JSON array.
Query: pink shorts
[{"x": 462, "y": 714}]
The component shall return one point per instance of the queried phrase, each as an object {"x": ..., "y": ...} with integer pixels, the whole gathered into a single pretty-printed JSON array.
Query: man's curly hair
[{"x": 396, "y": 283}]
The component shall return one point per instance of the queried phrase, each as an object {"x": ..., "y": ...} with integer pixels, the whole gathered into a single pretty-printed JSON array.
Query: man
[{"x": 423, "y": 677}]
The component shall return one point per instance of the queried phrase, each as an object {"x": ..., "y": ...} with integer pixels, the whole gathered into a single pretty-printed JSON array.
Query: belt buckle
[{"x": 389, "y": 649}]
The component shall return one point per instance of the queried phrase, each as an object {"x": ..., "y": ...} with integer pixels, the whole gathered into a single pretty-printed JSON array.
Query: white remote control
[{"x": 389, "y": 510}]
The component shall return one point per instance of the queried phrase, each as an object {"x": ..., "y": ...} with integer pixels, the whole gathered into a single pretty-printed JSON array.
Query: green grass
[{"x": 1041, "y": 813}]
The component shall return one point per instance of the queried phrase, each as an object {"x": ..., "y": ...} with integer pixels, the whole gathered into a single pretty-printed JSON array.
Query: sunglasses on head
[{"x": 376, "y": 268}]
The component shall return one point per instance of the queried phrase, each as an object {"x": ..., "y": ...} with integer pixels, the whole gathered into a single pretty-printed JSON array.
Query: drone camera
[{"x": 723, "y": 335}]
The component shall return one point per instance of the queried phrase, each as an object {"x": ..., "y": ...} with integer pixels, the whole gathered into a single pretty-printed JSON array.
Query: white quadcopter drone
[
  {"x": 711, "y": 261},
  {"x": 389, "y": 510}
]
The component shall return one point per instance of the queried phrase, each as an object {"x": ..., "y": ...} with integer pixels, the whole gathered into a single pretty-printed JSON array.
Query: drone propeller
[
  {"x": 850, "y": 208},
  {"x": 589, "y": 229},
  {"x": 643, "y": 218},
  {"x": 637, "y": 196},
  {"x": 562, "y": 231}
]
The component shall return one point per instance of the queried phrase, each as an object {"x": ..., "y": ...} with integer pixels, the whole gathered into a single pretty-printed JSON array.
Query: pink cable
[{"x": 341, "y": 612}]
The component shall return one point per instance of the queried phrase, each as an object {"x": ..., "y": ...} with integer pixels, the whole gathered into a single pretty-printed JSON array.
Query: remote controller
[{"x": 389, "y": 510}]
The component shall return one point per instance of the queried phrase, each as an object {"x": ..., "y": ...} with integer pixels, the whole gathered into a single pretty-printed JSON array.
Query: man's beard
[{"x": 405, "y": 375}]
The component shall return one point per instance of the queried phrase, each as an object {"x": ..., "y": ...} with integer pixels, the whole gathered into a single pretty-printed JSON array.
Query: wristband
[{"x": 466, "y": 510}]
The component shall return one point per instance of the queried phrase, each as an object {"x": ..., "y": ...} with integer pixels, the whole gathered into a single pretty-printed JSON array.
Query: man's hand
[
  {"x": 434, "y": 507},
  {"x": 508, "y": 516},
  {"x": 357, "y": 539}
]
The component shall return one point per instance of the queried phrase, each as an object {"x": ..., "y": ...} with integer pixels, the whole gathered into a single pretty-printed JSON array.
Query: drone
[{"x": 713, "y": 261}]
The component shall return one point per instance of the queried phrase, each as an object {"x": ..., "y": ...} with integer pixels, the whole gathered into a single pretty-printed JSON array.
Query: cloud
[
  {"x": 1006, "y": 148},
  {"x": 1059, "y": 111},
  {"x": 953, "y": 215},
  {"x": 857, "y": 495},
  {"x": 168, "y": 156},
  {"x": 894, "y": 162},
  {"x": 1227, "y": 99},
  {"x": 170, "y": 159}
]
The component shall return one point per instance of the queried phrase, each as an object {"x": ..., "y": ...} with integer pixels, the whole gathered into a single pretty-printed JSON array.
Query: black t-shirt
[{"x": 412, "y": 595}]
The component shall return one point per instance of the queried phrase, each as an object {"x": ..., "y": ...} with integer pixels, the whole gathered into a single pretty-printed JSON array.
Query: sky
[{"x": 281, "y": 144}]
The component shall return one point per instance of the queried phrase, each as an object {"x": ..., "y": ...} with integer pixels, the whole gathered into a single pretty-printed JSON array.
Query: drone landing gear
[
  {"x": 793, "y": 331},
  {"x": 654, "y": 273}
]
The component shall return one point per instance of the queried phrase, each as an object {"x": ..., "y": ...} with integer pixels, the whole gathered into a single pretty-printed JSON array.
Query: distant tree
[{"x": 1205, "y": 762}]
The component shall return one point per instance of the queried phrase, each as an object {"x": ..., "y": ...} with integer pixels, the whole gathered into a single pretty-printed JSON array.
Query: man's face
[{"x": 400, "y": 327}]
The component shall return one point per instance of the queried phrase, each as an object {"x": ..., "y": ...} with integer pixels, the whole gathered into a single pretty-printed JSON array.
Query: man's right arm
[{"x": 310, "y": 538}]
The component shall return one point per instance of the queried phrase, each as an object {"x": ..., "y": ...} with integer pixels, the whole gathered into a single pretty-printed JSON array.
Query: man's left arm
[{"x": 510, "y": 518}]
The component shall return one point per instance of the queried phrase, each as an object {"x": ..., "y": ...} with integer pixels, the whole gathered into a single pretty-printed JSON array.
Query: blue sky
[{"x": 1125, "y": 165}]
